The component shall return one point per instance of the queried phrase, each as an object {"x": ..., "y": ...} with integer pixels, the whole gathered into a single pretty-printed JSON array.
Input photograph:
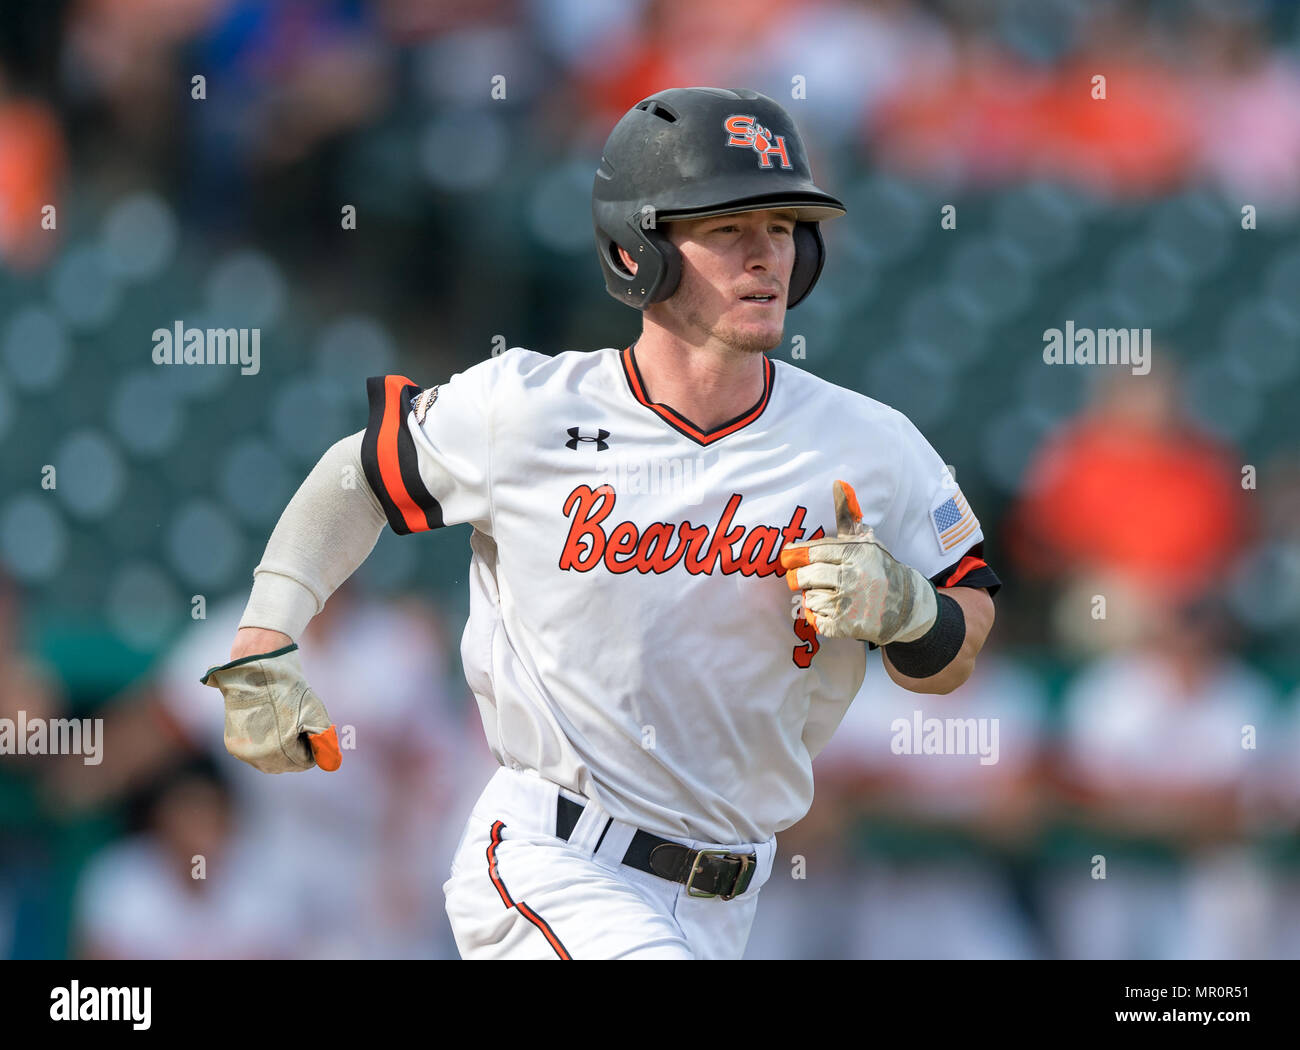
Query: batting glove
[
  {"x": 853, "y": 587},
  {"x": 274, "y": 721}
]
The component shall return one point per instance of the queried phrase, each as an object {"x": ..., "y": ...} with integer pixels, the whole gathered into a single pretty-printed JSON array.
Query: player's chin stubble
[
  {"x": 748, "y": 342},
  {"x": 740, "y": 340}
]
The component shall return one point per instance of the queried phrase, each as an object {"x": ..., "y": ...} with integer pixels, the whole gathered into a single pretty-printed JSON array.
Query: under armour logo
[{"x": 575, "y": 436}]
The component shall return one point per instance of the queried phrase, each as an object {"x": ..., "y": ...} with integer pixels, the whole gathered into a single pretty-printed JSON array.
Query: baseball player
[{"x": 682, "y": 552}]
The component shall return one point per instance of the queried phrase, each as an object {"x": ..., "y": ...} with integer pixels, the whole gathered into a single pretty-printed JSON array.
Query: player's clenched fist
[
  {"x": 853, "y": 587},
  {"x": 273, "y": 719}
]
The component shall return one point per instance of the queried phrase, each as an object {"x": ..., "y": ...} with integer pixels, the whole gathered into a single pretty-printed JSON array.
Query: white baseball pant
[{"x": 518, "y": 892}]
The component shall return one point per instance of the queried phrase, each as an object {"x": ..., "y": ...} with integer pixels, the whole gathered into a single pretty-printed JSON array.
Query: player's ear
[{"x": 627, "y": 259}]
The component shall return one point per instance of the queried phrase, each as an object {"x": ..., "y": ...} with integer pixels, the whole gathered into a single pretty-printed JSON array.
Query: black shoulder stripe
[{"x": 391, "y": 461}]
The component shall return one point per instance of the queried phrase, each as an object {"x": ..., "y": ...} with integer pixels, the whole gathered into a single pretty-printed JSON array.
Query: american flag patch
[{"x": 953, "y": 521}]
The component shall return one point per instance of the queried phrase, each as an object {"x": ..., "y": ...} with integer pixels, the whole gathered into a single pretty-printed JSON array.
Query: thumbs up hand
[{"x": 853, "y": 587}]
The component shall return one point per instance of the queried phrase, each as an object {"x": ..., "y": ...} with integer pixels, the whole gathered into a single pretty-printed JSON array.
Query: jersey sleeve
[
  {"x": 929, "y": 524},
  {"x": 427, "y": 450}
]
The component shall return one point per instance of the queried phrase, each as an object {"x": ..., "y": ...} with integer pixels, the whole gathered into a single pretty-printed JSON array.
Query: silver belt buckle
[{"x": 746, "y": 859}]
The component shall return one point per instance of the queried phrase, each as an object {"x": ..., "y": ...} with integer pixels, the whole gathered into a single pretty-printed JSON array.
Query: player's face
[{"x": 728, "y": 263}]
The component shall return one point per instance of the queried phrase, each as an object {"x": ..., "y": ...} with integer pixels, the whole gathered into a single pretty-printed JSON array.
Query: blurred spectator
[
  {"x": 280, "y": 79},
  {"x": 915, "y": 855},
  {"x": 32, "y": 165},
  {"x": 30, "y": 689},
  {"x": 851, "y": 57},
  {"x": 26, "y": 683},
  {"x": 1130, "y": 502},
  {"x": 369, "y": 845},
  {"x": 673, "y": 43},
  {"x": 1137, "y": 138},
  {"x": 1247, "y": 101},
  {"x": 188, "y": 886},
  {"x": 1161, "y": 773},
  {"x": 990, "y": 116},
  {"x": 971, "y": 120},
  {"x": 1283, "y": 808},
  {"x": 123, "y": 65}
]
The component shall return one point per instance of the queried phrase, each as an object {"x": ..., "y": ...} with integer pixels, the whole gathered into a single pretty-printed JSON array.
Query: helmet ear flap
[
  {"x": 809, "y": 255},
  {"x": 658, "y": 270},
  {"x": 636, "y": 290},
  {"x": 671, "y": 261}
]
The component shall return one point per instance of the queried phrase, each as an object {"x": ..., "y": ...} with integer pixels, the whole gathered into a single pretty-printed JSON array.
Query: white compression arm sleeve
[{"x": 328, "y": 529}]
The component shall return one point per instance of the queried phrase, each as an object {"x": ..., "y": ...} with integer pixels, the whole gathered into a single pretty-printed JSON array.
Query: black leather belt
[{"x": 706, "y": 872}]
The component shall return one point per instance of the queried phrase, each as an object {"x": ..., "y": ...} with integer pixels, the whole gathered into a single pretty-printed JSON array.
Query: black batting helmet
[{"x": 688, "y": 153}]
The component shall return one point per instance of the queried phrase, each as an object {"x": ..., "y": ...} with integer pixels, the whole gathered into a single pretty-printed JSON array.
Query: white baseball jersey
[{"x": 631, "y": 634}]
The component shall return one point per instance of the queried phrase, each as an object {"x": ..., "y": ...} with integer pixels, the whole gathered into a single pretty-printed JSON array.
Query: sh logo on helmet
[{"x": 749, "y": 134}]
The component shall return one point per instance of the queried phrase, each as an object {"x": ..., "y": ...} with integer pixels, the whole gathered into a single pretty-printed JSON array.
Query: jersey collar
[{"x": 679, "y": 422}]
